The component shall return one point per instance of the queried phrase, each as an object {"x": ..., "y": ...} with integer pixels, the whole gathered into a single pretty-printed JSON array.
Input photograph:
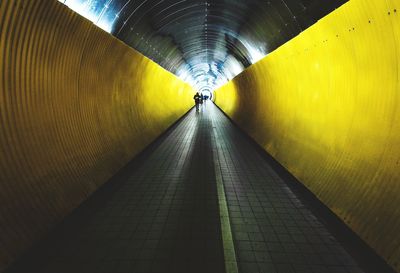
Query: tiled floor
[
  {"x": 164, "y": 216},
  {"x": 272, "y": 230}
]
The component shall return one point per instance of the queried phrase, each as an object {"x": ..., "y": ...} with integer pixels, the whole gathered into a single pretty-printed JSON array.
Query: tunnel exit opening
[{"x": 207, "y": 94}]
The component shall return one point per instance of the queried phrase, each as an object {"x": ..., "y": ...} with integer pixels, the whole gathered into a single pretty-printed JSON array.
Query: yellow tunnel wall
[
  {"x": 326, "y": 105},
  {"x": 75, "y": 106}
]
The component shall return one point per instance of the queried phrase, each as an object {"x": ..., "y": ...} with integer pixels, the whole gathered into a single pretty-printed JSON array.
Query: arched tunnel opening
[{"x": 292, "y": 165}]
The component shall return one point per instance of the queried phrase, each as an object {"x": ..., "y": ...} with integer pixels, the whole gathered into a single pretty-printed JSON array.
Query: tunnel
[{"x": 291, "y": 165}]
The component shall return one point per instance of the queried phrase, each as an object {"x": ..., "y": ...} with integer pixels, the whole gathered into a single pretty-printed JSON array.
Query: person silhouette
[{"x": 197, "y": 99}]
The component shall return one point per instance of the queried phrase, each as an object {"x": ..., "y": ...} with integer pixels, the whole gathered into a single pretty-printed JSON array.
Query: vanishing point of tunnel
[{"x": 210, "y": 136}]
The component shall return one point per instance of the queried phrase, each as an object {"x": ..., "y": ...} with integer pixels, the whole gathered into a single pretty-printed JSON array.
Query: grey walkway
[{"x": 164, "y": 214}]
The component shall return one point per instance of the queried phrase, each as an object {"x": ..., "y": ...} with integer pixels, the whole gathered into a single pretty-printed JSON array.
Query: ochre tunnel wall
[
  {"x": 326, "y": 105},
  {"x": 75, "y": 106}
]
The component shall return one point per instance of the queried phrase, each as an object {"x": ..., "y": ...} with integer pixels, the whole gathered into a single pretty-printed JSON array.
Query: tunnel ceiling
[{"x": 206, "y": 43}]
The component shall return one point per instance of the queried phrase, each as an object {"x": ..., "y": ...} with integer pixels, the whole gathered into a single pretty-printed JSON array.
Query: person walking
[{"x": 197, "y": 99}]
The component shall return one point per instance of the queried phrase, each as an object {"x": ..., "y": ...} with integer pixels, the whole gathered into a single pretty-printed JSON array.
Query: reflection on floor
[{"x": 164, "y": 214}]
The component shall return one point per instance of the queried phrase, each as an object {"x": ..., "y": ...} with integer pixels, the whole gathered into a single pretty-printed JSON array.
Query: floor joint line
[{"x": 227, "y": 238}]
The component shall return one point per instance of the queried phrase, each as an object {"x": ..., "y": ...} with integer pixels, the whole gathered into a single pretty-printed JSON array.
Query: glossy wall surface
[
  {"x": 326, "y": 105},
  {"x": 75, "y": 106}
]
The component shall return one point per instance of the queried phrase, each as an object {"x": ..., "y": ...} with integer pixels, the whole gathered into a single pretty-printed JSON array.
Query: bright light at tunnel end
[{"x": 208, "y": 76}]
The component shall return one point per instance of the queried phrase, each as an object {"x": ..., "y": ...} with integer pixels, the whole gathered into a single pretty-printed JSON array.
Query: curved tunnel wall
[
  {"x": 75, "y": 106},
  {"x": 326, "y": 105}
]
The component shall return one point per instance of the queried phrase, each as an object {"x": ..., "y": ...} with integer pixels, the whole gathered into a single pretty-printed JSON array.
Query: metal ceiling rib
[{"x": 206, "y": 43}]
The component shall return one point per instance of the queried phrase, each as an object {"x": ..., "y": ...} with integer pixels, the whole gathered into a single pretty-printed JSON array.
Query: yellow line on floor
[{"x": 227, "y": 240}]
